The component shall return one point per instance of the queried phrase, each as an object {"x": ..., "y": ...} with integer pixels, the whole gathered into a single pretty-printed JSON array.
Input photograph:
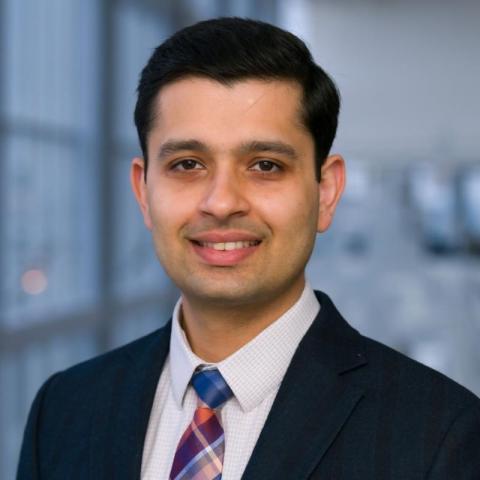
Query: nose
[{"x": 225, "y": 196}]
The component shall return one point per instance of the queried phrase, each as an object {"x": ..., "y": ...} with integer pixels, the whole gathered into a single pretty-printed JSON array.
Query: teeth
[{"x": 229, "y": 245}]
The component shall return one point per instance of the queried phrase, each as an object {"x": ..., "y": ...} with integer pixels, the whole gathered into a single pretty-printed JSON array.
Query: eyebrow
[
  {"x": 174, "y": 146},
  {"x": 255, "y": 146},
  {"x": 277, "y": 147}
]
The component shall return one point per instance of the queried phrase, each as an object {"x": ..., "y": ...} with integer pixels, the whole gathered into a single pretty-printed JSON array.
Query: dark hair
[{"x": 232, "y": 49}]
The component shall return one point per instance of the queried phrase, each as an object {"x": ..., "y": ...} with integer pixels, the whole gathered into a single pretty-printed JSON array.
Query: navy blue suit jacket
[{"x": 348, "y": 408}]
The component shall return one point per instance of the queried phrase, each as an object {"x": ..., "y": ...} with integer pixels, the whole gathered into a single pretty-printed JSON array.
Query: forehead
[{"x": 248, "y": 108}]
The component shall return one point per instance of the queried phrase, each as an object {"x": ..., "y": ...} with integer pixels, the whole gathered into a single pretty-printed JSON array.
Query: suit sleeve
[
  {"x": 29, "y": 466},
  {"x": 458, "y": 456}
]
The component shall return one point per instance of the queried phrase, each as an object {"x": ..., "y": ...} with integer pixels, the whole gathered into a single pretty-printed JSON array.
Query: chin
[{"x": 224, "y": 293}]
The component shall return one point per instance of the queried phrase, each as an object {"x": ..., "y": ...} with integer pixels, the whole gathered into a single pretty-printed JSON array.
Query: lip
[
  {"x": 223, "y": 237},
  {"x": 223, "y": 258}
]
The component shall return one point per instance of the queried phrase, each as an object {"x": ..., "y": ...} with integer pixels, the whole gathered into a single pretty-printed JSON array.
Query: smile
[
  {"x": 224, "y": 254},
  {"x": 229, "y": 245}
]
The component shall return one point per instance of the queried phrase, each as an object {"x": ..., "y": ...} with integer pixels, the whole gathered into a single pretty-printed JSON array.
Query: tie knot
[{"x": 211, "y": 387}]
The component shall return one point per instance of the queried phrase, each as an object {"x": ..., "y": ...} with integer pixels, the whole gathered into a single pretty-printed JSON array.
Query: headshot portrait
[{"x": 253, "y": 373}]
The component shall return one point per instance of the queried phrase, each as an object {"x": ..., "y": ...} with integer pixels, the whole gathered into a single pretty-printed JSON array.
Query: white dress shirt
[{"x": 254, "y": 373}]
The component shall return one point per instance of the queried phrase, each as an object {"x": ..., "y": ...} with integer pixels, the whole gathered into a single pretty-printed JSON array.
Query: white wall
[{"x": 408, "y": 71}]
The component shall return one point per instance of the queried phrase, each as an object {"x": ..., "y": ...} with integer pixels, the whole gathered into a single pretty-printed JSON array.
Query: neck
[{"x": 215, "y": 332}]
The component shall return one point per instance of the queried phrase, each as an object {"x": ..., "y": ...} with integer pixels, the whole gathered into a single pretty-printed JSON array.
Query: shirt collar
[{"x": 256, "y": 369}]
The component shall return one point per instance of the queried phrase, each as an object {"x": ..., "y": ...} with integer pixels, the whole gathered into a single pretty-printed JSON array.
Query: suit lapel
[
  {"x": 124, "y": 411},
  {"x": 314, "y": 401}
]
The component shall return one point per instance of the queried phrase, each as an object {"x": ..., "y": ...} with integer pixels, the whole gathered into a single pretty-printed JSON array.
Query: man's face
[{"x": 231, "y": 195}]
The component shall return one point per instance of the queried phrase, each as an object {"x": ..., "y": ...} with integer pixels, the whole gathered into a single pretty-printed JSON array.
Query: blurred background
[{"x": 78, "y": 272}]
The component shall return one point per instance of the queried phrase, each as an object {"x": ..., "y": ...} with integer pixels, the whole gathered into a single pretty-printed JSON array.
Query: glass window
[
  {"x": 47, "y": 225},
  {"x": 134, "y": 324},
  {"x": 136, "y": 32},
  {"x": 49, "y": 62}
]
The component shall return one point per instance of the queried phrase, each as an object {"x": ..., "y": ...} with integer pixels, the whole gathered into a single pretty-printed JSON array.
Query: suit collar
[{"x": 317, "y": 395}]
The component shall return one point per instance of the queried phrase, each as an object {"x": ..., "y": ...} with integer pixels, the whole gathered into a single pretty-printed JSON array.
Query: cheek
[
  {"x": 297, "y": 198},
  {"x": 170, "y": 207},
  {"x": 293, "y": 209}
]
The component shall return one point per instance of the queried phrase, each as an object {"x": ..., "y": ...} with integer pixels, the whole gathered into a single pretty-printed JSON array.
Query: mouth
[
  {"x": 227, "y": 246},
  {"x": 224, "y": 254}
]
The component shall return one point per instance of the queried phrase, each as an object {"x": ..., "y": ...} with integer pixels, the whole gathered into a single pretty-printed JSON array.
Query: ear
[
  {"x": 330, "y": 189},
  {"x": 139, "y": 187}
]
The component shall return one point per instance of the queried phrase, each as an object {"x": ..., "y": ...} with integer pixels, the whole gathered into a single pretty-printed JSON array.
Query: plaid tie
[{"x": 199, "y": 454}]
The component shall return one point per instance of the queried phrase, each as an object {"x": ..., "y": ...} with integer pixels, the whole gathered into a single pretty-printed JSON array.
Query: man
[{"x": 256, "y": 376}]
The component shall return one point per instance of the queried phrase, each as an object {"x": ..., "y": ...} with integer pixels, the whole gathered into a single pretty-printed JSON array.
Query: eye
[
  {"x": 187, "y": 164},
  {"x": 266, "y": 166}
]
